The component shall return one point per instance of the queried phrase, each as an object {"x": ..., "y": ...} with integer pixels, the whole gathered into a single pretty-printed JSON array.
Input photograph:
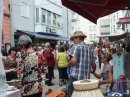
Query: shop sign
[
  {"x": 125, "y": 20},
  {"x": 48, "y": 29}
]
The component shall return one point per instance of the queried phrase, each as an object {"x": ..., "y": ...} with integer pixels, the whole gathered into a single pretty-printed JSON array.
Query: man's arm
[
  {"x": 93, "y": 64},
  {"x": 75, "y": 54},
  {"x": 93, "y": 67},
  {"x": 72, "y": 62}
]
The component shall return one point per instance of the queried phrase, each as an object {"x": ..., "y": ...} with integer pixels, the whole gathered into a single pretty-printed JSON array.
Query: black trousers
[
  {"x": 63, "y": 73},
  {"x": 49, "y": 75},
  {"x": 34, "y": 95}
]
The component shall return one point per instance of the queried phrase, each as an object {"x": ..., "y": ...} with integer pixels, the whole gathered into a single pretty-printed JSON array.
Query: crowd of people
[{"x": 78, "y": 61}]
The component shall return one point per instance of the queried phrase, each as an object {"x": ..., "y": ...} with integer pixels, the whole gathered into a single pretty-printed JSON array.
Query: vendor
[{"x": 10, "y": 64}]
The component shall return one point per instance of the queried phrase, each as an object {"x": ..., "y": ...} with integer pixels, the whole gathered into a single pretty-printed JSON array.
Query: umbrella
[{"x": 94, "y": 9}]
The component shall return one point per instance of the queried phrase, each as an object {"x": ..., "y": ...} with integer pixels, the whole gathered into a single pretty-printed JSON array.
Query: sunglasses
[{"x": 101, "y": 58}]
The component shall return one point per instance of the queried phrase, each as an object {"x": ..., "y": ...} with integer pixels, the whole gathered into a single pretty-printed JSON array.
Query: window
[
  {"x": 48, "y": 17},
  {"x": 54, "y": 19},
  {"x": 90, "y": 36},
  {"x": 105, "y": 33},
  {"x": 113, "y": 28},
  {"x": 94, "y": 36},
  {"x": 90, "y": 28},
  {"x": 43, "y": 16},
  {"x": 123, "y": 27},
  {"x": 58, "y": 20},
  {"x": 113, "y": 18},
  {"x": 94, "y": 28},
  {"x": 37, "y": 15},
  {"x": 24, "y": 9},
  {"x": 102, "y": 26}
]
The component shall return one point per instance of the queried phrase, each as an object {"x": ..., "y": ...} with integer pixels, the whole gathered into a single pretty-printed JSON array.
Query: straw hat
[{"x": 76, "y": 34}]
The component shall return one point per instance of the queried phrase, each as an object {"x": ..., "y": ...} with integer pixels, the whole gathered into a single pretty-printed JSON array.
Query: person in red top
[{"x": 49, "y": 58}]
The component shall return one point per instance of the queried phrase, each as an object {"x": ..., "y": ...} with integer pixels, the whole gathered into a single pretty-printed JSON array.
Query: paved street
[{"x": 56, "y": 81}]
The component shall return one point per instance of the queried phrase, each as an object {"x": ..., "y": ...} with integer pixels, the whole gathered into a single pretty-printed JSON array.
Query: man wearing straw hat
[{"x": 82, "y": 60}]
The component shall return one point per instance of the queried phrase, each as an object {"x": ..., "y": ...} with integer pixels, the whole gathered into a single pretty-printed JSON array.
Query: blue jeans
[{"x": 70, "y": 85}]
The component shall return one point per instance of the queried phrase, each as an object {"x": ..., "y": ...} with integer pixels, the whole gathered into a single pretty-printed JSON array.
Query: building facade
[
  {"x": 89, "y": 28},
  {"x": 74, "y": 22},
  {"x": 51, "y": 17},
  {"x": 22, "y": 18},
  {"x": 6, "y": 24},
  {"x": 108, "y": 25},
  {"x": 42, "y": 21},
  {"x": 126, "y": 27},
  {"x": 114, "y": 18}
]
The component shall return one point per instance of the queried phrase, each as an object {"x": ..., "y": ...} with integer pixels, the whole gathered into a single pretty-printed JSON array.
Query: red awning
[
  {"x": 125, "y": 20},
  {"x": 94, "y": 9}
]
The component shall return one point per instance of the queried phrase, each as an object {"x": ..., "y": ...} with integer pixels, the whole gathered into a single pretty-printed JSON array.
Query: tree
[
  {"x": 94, "y": 43},
  {"x": 119, "y": 41}
]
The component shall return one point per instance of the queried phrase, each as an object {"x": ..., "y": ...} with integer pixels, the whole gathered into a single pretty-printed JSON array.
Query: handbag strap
[{"x": 9, "y": 64}]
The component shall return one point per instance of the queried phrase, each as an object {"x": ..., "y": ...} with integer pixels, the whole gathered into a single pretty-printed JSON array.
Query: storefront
[{"x": 40, "y": 38}]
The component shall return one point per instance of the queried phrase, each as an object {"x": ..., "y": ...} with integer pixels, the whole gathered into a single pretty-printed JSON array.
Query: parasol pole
[{"x": 2, "y": 72}]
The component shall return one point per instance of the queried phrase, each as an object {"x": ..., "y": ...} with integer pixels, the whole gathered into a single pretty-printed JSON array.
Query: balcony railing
[{"x": 48, "y": 22}]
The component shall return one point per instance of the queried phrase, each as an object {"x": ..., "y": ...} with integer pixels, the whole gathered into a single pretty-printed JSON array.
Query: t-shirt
[
  {"x": 105, "y": 72},
  {"x": 62, "y": 59}
]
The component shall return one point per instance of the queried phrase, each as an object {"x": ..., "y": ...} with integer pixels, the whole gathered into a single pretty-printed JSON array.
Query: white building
[
  {"x": 48, "y": 17},
  {"x": 74, "y": 22},
  {"x": 51, "y": 17},
  {"x": 114, "y": 18},
  {"x": 89, "y": 28},
  {"x": 126, "y": 27},
  {"x": 108, "y": 25},
  {"x": 103, "y": 25}
]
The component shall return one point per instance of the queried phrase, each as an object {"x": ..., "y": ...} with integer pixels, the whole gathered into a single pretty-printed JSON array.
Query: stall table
[{"x": 15, "y": 93}]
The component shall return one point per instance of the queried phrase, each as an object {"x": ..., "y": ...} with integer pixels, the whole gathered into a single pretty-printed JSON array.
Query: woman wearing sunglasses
[{"x": 106, "y": 73}]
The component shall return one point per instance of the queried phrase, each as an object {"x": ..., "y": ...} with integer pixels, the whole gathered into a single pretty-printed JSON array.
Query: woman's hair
[
  {"x": 107, "y": 55},
  {"x": 62, "y": 49},
  {"x": 47, "y": 44},
  {"x": 12, "y": 49},
  {"x": 18, "y": 50},
  {"x": 28, "y": 45}
]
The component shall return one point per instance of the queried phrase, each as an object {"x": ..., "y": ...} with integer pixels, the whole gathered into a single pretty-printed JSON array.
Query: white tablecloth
[
  {"x": 43, "y": 86},
  {"x": 15, "y": 93}
]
